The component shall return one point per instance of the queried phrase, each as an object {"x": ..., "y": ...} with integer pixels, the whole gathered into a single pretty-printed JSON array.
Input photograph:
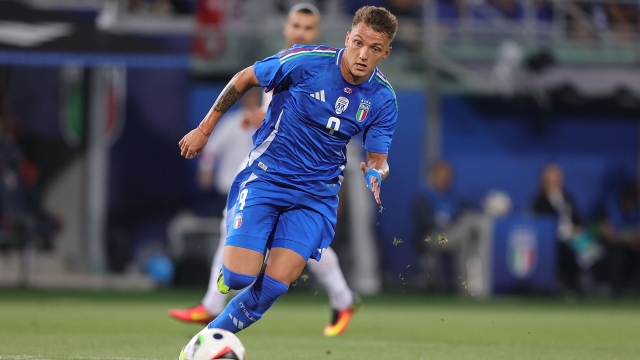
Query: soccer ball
[
  {"x": 497, "y": 203},
  {"x": 211, "y": 344}
]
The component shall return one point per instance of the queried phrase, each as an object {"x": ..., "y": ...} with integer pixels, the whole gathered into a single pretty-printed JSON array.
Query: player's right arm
[
  {"x": 277, "y": 71},
  {"x": 193, "y": 143}
]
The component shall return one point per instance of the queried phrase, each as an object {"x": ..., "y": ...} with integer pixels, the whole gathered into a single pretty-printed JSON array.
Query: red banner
[{"x": 210, "y": 41}]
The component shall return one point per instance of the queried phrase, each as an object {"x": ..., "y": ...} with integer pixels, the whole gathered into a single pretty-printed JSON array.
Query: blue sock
[{"x": 249, "y": 306}]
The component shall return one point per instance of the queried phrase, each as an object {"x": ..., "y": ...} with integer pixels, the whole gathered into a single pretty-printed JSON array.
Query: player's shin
[{"x": 249, "y": 306}]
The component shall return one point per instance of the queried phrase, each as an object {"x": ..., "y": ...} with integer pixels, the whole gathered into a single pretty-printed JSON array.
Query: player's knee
[{"x": 236, "y": 281}]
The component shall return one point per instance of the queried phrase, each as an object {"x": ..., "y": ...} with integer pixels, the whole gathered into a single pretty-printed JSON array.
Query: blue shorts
[{"x": 262, "y": 214}]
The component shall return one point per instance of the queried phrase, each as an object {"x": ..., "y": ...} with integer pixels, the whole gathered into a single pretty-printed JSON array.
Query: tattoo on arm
[{"x": 229, "y": 96}]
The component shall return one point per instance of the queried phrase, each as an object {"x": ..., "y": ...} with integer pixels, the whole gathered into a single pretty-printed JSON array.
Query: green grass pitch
[{"x": 130, "y": 326}]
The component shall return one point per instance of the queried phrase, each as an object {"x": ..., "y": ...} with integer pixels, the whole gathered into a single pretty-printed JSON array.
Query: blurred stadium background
[{"x": 515, "y": 172}]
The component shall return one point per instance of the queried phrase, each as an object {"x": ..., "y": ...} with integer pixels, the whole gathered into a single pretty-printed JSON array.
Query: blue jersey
[{"x": 313, "y": 115}]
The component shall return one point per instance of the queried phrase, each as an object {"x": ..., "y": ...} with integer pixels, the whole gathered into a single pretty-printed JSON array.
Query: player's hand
[
  {"x": 192, "y": 144},
  {"x": 375, "y": 185}
]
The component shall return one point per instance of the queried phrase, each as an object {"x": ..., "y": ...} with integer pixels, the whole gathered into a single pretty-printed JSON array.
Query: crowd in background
[
  {"x": 23, "y": 221},
  {"x": 584, "y": 19},
  {"x": 596, "y": 255},
  {"x": 162, "y": 6}
]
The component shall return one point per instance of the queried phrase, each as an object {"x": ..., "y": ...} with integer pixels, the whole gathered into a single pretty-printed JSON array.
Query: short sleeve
[
  {"x": 277, "y": 71},
  {"x": 377, "y": 137}
]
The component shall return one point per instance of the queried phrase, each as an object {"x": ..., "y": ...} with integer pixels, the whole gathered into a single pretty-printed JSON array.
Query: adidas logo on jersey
[{"x": 318, "y": 96}]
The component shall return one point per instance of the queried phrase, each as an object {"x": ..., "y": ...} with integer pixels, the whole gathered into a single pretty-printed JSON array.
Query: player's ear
[
  {"x": 387, "y": 53},
  {"x": 346, "y": 40}
]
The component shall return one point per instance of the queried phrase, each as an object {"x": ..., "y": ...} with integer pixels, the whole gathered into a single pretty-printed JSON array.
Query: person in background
[
  {"x": 228, "y": 147},
  {"x": 625, "y": 20},
  {"x": 404, "y": 8},
  {"x": 620, "y": 230},
  {"x": 554, "y": 200},
  {"x": 439, "y": 205},
  {"x": 440, "y": 212},
  {"x": 578, "y": 250},
  {"x": 23, "y": 220}
]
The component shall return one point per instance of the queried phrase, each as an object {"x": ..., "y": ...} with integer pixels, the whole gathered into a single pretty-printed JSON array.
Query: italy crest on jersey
[
  {"x": 341, "y": 104},
  {"x": 237, "y": 221},
  {"x": 363, "y": 110}
]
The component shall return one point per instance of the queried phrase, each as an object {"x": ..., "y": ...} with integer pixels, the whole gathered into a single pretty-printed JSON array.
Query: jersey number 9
[
  {"x": 242, "y": 197},
  {"x": 333, "y": 124}
]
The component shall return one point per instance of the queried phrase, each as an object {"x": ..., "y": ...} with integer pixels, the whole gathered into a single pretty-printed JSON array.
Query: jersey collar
[{"x": 339, "y": 57}]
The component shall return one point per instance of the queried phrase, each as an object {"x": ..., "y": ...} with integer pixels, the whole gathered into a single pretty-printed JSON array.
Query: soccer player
[
  {"x": 301, "y": 27},
  {"x": 286, "y": 200}
]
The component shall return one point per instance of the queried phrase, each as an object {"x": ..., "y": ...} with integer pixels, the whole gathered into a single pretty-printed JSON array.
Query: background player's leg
[
  {"x": 344, "y": 302},
  {"x": 214, "y": 300},
  {"x": 283, "y": 267},
  {"x": 329, "y": 274}
]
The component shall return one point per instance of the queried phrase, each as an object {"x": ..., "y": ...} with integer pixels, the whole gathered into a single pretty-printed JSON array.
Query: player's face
[
  {"x": 442, "y": 177},
  {"x": 365, "y": 48},
  {"x": 301, "y": 28},
  {"x": 552, "y": 178}
]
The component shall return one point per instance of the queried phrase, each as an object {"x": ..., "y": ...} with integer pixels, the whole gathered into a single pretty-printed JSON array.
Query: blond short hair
[{"x": 377, "y": 18}]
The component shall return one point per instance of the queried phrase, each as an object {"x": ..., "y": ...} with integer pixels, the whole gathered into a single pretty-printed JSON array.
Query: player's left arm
[
  {"x": 375, "y": 170},
  {"x": 377, "y": 140}
]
